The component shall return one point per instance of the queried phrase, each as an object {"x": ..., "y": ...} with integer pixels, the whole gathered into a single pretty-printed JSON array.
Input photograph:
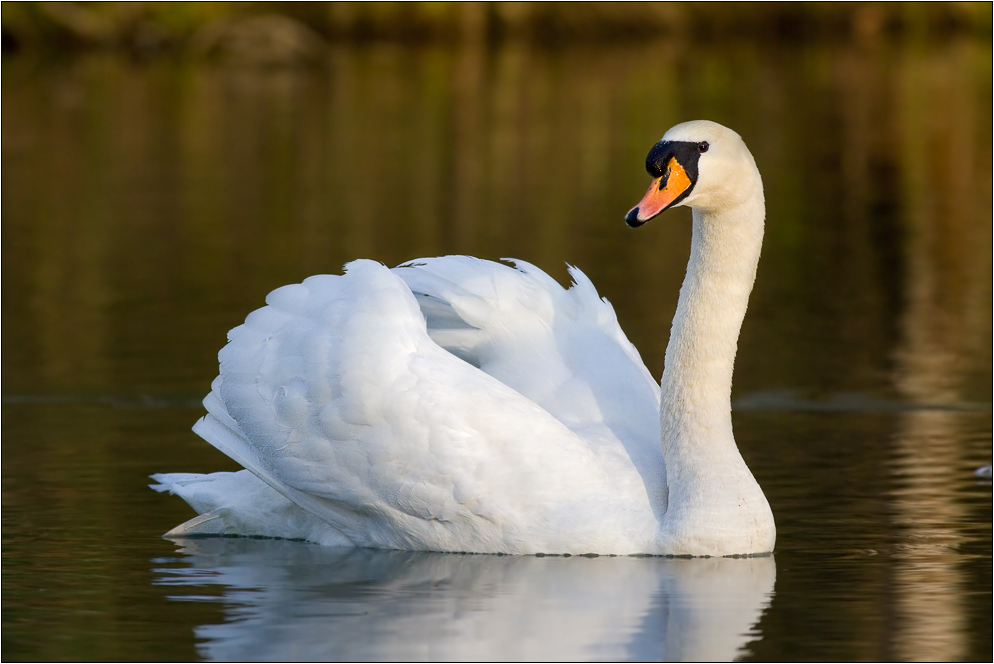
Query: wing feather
[
  {"x": 336, "y": 397},
  {"x": 562, "y": 349}
]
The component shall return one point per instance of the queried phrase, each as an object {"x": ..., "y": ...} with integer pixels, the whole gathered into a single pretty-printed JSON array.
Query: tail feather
[{"x": 242, "y": 504}]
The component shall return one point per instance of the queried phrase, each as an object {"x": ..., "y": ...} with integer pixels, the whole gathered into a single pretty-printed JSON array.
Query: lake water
[{"x": 149, "y": 206}]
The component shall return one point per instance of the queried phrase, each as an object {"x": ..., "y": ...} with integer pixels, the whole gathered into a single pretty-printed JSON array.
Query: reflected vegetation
[
  {"x": 323, "y": 604},
  {"x": 149, "y": 205},
  {"x": 945, "y": 336},
  {"x": 393, "y": 152}
]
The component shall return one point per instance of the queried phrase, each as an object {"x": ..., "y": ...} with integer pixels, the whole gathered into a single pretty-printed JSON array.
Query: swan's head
[{"x": 700, "y": 164}]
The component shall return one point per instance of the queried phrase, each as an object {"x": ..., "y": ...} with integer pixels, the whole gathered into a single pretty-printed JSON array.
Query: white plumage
[{"x": 456, "y": 404}]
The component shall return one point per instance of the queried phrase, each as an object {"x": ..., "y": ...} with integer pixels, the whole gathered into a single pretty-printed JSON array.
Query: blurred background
[
  {"x": 165, "y": 165},
  {"x": 285, "y": 32}
]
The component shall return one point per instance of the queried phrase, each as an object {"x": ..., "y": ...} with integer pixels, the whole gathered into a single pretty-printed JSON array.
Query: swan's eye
[{"x": 703, "y": 146}]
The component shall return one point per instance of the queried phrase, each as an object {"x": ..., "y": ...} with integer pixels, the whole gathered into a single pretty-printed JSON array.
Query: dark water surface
[{"x": 147, "y": 207}]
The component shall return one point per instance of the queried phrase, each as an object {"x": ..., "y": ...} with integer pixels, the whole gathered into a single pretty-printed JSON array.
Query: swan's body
[{"x": 455, "y": 404}]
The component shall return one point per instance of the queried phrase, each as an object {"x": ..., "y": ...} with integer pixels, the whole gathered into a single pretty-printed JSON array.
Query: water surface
[{"x": 147, "y": 207}]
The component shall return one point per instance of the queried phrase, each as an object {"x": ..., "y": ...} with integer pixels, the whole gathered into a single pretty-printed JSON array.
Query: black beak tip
[{"x": 632, "y": 218}]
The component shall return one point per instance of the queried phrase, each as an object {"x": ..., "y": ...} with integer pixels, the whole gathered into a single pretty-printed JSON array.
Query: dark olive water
[{"x": 147, "y": 207}]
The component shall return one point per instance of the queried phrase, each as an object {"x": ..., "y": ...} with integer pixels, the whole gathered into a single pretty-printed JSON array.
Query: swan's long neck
[
  {"x": 706, "y": 476},
  {"x": 697, "y": 380}
]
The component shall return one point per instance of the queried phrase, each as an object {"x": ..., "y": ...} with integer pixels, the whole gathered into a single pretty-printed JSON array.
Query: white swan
[{"x": 455, "y": 404}]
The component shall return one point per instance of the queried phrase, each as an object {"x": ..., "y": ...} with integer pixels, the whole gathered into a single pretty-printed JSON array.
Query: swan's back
[{"x": 541, "y": 436}]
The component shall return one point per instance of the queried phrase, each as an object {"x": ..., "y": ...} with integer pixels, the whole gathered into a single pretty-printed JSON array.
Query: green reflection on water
[{"x": 147, "y": 208}]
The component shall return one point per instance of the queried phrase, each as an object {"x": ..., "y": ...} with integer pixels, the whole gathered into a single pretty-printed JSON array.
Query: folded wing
[{"x": 336, "y": 396}]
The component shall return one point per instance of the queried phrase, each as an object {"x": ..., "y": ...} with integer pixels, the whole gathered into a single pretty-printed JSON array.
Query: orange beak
[{"x": 662, "y": 192}]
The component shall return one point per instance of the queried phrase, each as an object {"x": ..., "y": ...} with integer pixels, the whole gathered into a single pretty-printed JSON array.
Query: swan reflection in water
[{"x": 290, "y": 600}]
